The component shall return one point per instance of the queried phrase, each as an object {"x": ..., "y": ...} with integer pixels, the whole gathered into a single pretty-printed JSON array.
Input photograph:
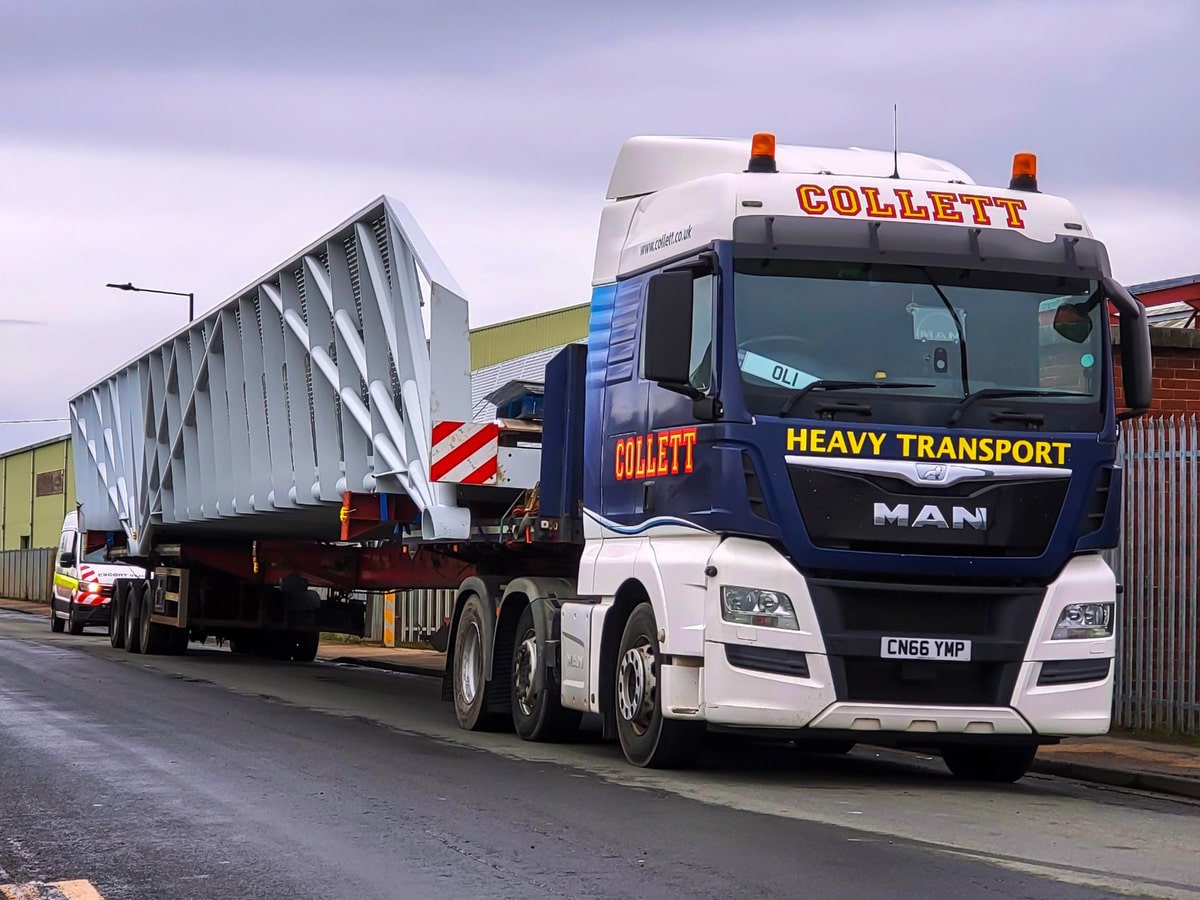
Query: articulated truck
[{"x": 836, "y": 463}]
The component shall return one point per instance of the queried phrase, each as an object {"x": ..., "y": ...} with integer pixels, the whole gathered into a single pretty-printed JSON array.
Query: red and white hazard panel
[{"x": 465, "y": 452}]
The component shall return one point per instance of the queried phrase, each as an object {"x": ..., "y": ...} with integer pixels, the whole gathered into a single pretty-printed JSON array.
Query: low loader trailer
[{"x": 837, "y": 463}]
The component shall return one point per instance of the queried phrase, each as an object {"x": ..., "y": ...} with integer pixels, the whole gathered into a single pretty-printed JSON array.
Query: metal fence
[
  {"x": 1156, "y": 679},
  {"x": 27, "y": 574},
  {"x": 420, "y": 613}
]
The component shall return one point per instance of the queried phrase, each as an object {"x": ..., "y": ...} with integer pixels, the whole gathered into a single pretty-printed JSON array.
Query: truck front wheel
[
  {"x": 537, "y": 712},
  {"x": 648, "y": 738},
  {"x": 1000, "y": 764}
]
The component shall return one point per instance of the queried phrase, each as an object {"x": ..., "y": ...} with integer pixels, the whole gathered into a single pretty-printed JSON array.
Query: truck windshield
[{"x": 1031, "y": 342}]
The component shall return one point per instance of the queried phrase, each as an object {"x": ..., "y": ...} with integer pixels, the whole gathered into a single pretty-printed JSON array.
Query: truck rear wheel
[
  {"x": 154, "y": 636},
  {"x": 177, "y": 641},
  {"x": 1000, "y": 764},
  {"x": 133, "y": 634},
  {"x": 538, "y": 714},
  {"x": 472, "y": 690},
  {"x": 648, "y": 738},
  {"x": 305, "y": 645},
  {"x": 116, "y": 614}
]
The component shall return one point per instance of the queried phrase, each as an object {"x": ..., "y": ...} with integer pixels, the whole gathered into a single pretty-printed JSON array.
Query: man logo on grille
[{"x": 931, "y": 473}]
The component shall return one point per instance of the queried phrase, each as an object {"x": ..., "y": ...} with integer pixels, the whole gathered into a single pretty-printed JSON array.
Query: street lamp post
[{"x": 191, "y": 297}]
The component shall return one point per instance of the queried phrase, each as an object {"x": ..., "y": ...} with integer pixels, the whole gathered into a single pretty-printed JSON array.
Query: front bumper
[
  {"x": 750, "y": 675},
  {"x": 92, "y": 616}
]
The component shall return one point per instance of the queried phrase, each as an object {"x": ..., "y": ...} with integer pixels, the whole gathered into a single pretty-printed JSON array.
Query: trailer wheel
[
  {"x": 177, "y": 642},
  {"x": 648, "y": 738},
  {"x": 538, "y": 715},
  {"x": 154, "y": 636},
  {"x": 116, "y": 615},
  {"x": 133, "y": 634},
  {"x": 1000, "y": 764},
  {"x": 472, "y": 691},
  {"x": 305, "y": 645}
]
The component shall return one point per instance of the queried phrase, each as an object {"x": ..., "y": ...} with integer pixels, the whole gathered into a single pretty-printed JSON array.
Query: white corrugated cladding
[{"x": 531, "y": 367}]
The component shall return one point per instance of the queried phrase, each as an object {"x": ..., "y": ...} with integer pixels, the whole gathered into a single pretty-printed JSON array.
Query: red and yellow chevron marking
[{"x": 50, "y": 890}]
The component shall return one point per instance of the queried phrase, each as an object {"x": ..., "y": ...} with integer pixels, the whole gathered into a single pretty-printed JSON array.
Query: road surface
[{"x": 211, "y": 776}]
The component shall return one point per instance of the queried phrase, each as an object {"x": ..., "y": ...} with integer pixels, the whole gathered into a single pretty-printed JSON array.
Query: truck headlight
[
  {"x": 752, "y": 606},
  {"x": 91, "y": 587},
  {"x": 1084, "y": 620}
]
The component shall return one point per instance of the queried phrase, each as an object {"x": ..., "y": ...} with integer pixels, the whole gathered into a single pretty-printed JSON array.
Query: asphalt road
[{"x": 211, "y": 775}]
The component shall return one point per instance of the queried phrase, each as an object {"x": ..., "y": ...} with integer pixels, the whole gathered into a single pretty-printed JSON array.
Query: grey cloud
[{"x": 547, "y": 91}]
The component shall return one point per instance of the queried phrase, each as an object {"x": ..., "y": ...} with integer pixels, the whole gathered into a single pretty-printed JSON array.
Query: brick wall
[{"x": 1176, "y": 370}]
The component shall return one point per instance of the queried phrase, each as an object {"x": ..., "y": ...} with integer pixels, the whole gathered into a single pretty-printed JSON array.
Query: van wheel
[
  {"x": 648, "y": 738},
  {"x": 73, "y": 624},
  {"x": 538, "y": 714},
  {"x": 57, "y": 625}
]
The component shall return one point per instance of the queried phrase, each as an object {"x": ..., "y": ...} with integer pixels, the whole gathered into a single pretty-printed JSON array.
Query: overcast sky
[{"x": 191, "y": 146}]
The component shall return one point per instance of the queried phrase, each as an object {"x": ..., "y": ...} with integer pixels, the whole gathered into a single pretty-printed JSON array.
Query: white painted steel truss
[{"x": 315, "y": 380}]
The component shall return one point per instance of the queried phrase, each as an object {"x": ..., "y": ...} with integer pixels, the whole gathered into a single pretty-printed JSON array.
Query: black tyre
[
  {"x": 133, "y": 633},
  {"x": 177, "y": 641},
  {"x": 57, "y": 625},
  {"x": 472, "y": 690},
  {"x": 648, "y": 739},
  {"x": 1003, "y": 764},
  {"x": 538, "y": 715},
  {"x": 305, "y": 645},
  {"x": 154, "y": 635},
  {"x": 73, "y": 624},
  {"x": 116, "y": 614}
]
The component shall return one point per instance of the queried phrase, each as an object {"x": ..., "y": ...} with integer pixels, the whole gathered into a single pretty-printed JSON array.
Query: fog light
[{"x": 1084, "y": 620}]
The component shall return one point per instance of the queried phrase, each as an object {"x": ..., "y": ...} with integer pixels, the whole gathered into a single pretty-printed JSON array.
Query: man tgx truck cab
[
  {"x": 850, "y": 456},
  {"x": 83, "y": 582}
]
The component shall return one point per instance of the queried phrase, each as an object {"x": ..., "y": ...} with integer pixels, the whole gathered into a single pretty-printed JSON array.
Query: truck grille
[{"x": 856, "y": 614}]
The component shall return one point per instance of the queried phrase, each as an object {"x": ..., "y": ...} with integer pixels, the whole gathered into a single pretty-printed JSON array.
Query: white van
[{"x": 83, "y": 582}]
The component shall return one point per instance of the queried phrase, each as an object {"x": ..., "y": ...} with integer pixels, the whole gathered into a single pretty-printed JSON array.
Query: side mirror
[
  {"x": 668, "y": 338},
  {"x": 1137, "y": 366},
  {"x": 1072, "y": 322},
  {"x": 66, "y": 560}
]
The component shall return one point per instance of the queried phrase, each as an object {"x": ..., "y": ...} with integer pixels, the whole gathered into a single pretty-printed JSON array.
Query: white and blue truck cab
[{"x": 848, "y": 457}]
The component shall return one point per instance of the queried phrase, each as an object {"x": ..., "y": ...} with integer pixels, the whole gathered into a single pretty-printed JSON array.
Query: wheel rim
[
  {"x": 636, "y": 687},
  {"x": 470, "y": 669},
  {"x": 525, "y": 667}
]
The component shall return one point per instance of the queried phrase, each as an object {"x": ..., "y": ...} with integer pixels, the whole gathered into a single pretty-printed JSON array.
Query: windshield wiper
[
  {"x": 984, "y": 393},
  {"x": 823, "y": 384},
  {"x": 962, "y": 337}
]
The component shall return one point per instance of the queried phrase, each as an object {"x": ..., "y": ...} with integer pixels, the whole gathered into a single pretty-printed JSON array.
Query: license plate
[{"x": 944, "y": 649}]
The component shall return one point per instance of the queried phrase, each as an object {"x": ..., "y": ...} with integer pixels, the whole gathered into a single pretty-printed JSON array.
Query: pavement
[{"x": 1117, "y": 760}]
